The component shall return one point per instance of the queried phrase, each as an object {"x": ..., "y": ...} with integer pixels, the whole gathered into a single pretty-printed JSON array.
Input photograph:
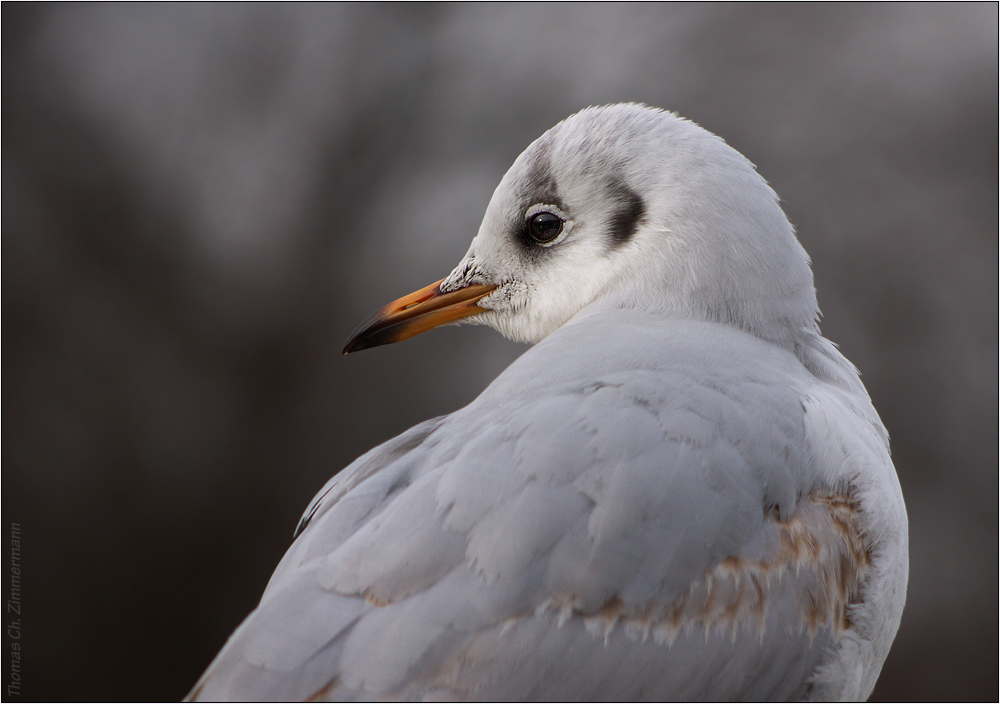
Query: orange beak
[{"x": 420, "y": 311}]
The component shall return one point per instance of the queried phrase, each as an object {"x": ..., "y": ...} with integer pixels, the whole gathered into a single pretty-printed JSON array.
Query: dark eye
[{"x": 544, "y": 227}]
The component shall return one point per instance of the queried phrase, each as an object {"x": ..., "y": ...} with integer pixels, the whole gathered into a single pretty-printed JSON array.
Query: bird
[{"x": 680, "y": 491}]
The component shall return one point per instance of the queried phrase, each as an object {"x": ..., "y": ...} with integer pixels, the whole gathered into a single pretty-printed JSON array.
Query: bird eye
[{"x": 544, "y": 227}]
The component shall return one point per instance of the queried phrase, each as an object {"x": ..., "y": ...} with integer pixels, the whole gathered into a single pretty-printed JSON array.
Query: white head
[{"x": 628, "y": 206}]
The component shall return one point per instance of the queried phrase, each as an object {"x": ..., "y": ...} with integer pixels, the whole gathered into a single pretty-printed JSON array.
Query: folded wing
[{"x": 594, "y": 532}]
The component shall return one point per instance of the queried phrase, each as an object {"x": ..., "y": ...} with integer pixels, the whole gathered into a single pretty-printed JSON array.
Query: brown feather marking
[
  {"x": 320, "y": 694},
  {"x": 821, "y": 547},
  {"x": 819, "y": 556}
]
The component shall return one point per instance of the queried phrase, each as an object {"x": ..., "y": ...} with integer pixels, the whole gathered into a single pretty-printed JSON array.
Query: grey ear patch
[{"x": 627, "y": 212}]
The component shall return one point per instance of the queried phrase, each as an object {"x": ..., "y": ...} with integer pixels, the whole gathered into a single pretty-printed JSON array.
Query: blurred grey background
[{"x": 200, "y": 203}]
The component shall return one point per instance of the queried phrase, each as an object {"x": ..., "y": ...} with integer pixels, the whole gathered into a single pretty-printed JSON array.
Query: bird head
[{"x": 627, "y": 206}]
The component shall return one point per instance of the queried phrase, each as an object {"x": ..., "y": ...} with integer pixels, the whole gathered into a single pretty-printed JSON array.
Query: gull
[{"x": 680, "y": 491}]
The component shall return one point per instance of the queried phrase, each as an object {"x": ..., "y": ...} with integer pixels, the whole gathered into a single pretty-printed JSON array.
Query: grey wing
[{"x": 641, "y": 535}]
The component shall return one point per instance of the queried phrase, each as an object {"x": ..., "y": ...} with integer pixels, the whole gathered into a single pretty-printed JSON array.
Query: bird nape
[{"x": 682, "y": 491}]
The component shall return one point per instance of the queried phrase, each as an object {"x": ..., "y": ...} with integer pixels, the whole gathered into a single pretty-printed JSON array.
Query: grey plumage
[{"x": 681, "y": 492}]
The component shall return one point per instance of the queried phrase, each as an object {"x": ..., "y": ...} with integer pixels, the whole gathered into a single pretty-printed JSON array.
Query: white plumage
[{"x": 681, "y": 492}]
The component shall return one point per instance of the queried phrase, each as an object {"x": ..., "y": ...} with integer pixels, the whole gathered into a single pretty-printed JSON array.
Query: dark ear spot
[{"x": 628, "y": 209}]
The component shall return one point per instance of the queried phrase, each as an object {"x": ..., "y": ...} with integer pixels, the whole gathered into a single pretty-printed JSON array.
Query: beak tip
[{"x": 364, "y": 340}]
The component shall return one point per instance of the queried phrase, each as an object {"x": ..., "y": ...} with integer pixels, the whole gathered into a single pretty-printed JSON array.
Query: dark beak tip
[
  {"x": 367, "y": 336},
  {"x": 352, "y": 345},
  {"x": 359, "y": 338}
]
